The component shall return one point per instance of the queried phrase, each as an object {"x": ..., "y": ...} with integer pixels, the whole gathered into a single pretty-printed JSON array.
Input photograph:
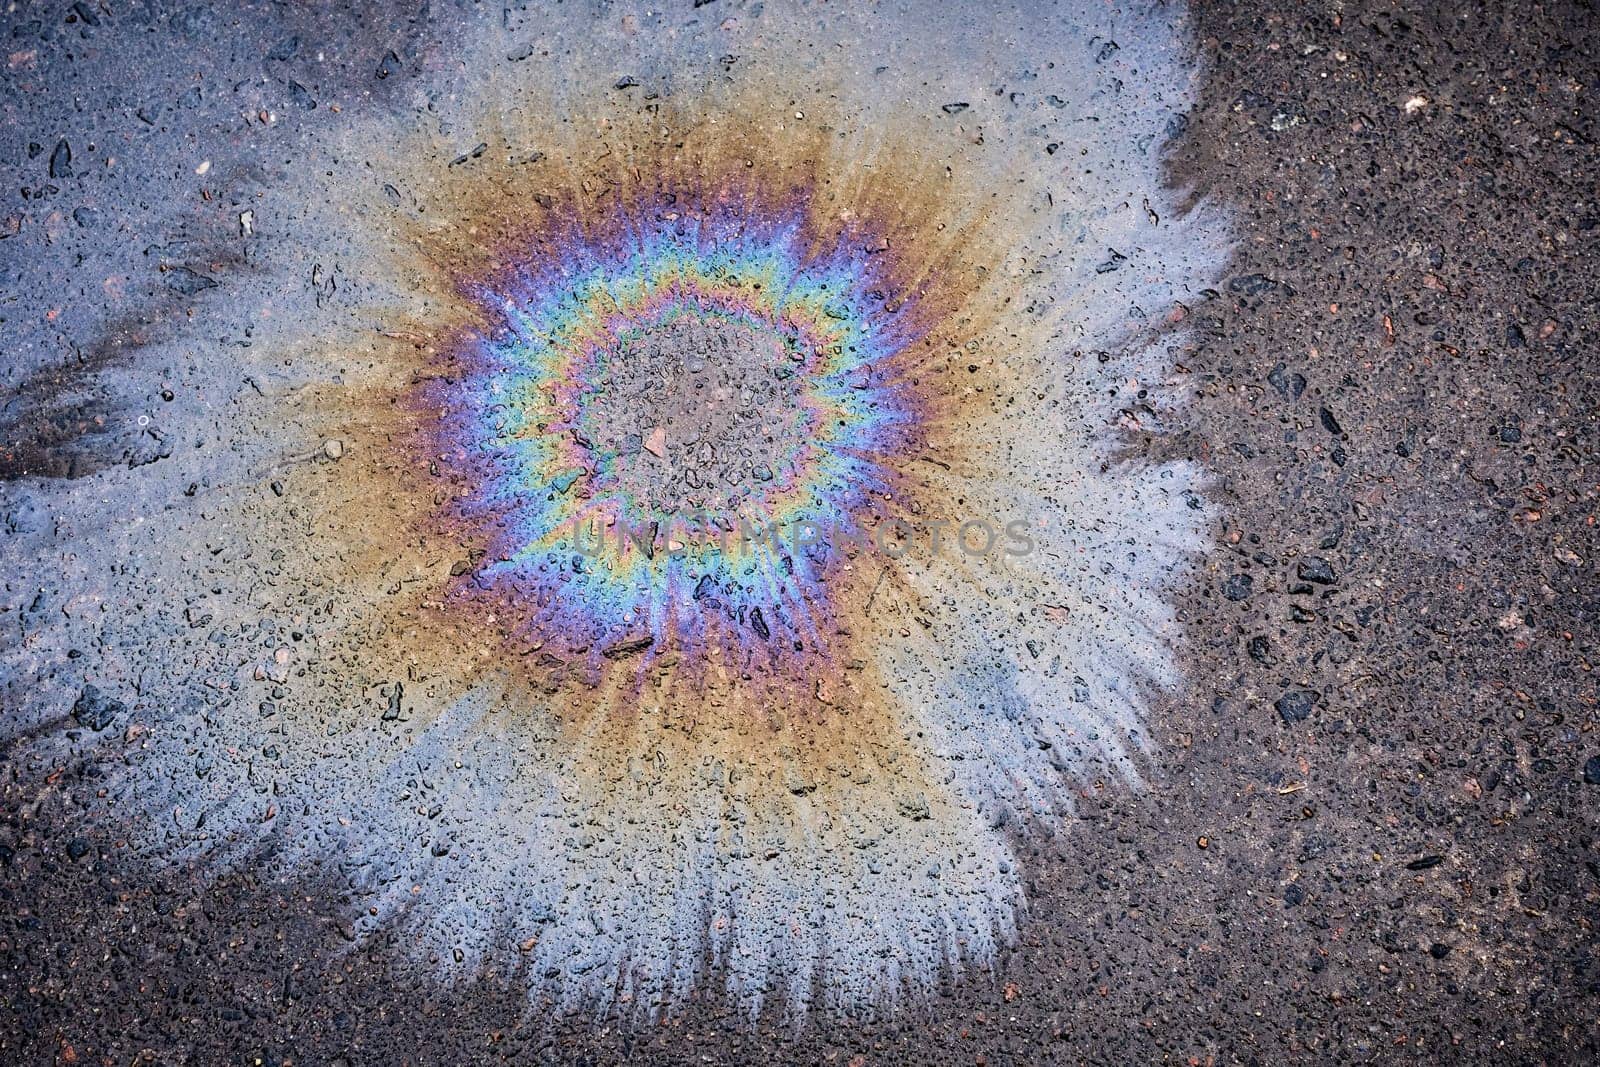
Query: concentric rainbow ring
[{"x": 514, "y": 418}]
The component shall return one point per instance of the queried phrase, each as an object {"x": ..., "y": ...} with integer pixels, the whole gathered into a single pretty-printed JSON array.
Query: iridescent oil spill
[
  {"x": 501, "y": 565},
  {"x": 656, "y": 387}
]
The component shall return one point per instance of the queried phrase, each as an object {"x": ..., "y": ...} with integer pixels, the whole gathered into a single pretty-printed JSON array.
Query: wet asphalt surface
[{"x": 1372, "y": 837}]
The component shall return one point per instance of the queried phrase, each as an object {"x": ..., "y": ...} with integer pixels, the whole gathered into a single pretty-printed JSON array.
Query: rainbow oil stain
[
  {"x": 603, "y": 544},
  {"x": 788, "y": 265}
]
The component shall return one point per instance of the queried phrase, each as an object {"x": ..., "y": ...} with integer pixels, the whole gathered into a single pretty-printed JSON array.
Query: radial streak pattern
[{"x": 808, "y": 269}]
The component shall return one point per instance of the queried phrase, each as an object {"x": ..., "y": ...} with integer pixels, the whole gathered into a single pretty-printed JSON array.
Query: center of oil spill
[{"x": 694, "y": 414}]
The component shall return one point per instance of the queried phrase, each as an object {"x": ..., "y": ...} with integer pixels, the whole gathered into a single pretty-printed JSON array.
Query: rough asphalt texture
[
  {"x": 726, "y": 403},
  {"x": 1373, "y": 837}
]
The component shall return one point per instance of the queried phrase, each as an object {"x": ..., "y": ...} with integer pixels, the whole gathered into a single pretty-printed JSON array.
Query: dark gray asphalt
[{"x": 1373, "y": 834}]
